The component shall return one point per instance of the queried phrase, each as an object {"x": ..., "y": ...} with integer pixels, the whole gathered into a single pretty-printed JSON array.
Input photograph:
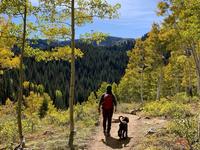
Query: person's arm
[
  {"x": 100, "y": 103},
  {"x": 115, "y": 103}
]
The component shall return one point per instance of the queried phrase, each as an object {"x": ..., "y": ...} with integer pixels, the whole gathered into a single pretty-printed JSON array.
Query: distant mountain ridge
[{"x": 109, "y": 42}]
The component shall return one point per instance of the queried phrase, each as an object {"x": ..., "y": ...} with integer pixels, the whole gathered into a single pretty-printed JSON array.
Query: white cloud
[{"x": 137, "y": 12}]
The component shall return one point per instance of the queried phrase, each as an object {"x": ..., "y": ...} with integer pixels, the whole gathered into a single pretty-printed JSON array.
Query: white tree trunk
[
  {"x": 21, "y": 79},
  {"x": 72, "y": 78}
]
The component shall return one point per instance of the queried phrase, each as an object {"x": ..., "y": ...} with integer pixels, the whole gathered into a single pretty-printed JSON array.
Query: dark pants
[{"x": 107, "y": 118}]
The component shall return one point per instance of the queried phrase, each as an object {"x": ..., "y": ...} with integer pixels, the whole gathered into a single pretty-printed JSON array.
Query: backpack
[{"x": 107, "y": 102}]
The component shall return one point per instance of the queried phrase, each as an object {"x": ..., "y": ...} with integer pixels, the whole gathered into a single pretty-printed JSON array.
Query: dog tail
[{"x": 120, "y": 119}]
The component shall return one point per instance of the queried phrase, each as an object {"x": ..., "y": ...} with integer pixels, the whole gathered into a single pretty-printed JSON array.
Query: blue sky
[{"x": 136, "y": 18}]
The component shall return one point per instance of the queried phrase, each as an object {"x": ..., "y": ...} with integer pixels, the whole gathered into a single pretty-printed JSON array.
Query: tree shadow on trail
[{"x": 116, "y": 143}]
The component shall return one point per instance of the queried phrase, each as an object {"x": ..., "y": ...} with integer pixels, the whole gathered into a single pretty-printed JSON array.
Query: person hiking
[{"x": 108, "y": 103}]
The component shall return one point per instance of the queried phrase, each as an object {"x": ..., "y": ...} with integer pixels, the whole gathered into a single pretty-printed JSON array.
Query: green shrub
[
  {"x": 57, "y": 117},
  {"x": 166, "y": 108},
  {"x": 186, "y": 128},
  {"x": 81, "y": 112},
  {"x": 127, "y": 107},
  {"x": 184, "y": 98},
  {"x": 86, "y": 110},
  {"x": 8, "y": 132},
  {"x": 181, "y": 98},
  {"x": 195, "y": 99}
]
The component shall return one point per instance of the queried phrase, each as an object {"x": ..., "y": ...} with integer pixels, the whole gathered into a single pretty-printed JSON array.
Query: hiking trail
[{"x": 137, "y": 129}]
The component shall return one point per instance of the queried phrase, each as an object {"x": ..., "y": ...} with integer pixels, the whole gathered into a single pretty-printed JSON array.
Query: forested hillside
[{"x": 104, "y": 63}]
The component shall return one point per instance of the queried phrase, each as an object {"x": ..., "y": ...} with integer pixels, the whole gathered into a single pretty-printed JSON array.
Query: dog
[{"x": 123, "y": 127}]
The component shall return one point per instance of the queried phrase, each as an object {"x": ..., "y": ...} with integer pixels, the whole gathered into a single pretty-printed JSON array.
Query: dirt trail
[{"x": 138, "y": 128}]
